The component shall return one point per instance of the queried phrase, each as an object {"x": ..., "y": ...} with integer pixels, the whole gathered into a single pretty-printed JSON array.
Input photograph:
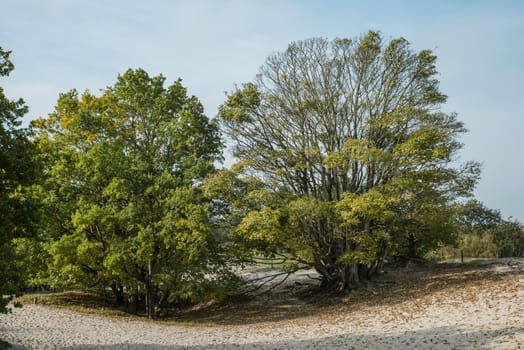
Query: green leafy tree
[
  {"x": 508, "y": 237},
  {"x": 354, "y": 152},
  {"x": 475, "y": 223},
  {"x": 474, "y": 215},
  {"x": 18, "y": 170},
  {"x": 125, "y": 169},
  {"x": 485, "y": 234}
]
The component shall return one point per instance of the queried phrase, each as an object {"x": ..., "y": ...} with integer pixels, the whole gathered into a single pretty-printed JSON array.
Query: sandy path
[{"x": 489, "y": 316}]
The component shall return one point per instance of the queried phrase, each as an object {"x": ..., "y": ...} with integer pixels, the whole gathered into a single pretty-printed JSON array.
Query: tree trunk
[
  {"x": 411, "y": 246},
  {"x": 133, "y": 302},
  {"x": 339, "y": 278},
  {"x": 380, "y": 255},
  {"x": 353, "y": 280},
  {"x": 151, "y": 293},
  {"x": 118, "y": 292}
]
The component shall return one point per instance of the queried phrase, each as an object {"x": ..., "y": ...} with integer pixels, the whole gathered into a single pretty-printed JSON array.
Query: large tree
[
  {"x": 124, "y": 171},
  {"x": 17, "y": 173},
  {"x": 354, "y": 151}
]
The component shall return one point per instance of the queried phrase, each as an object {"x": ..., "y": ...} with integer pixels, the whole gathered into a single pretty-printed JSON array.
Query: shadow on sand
[{"x": 435, "y": 338}]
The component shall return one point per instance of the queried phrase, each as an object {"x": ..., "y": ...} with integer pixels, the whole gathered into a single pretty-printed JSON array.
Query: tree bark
[
  {"x": 412, "y": 253},
  {"x": 118, "y": 292},
  {"x": 151, "y": 292},
  {"x": 353, "y": 280}
]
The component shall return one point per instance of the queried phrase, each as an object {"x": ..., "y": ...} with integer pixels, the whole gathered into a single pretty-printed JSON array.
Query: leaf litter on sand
[{"x": 410, "y": 288}]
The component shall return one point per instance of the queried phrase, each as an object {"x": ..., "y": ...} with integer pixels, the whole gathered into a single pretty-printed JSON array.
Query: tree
[
  {"x": 474, "y": 215},
  {"x": 475, "y": 224},
  {"x": 354, "y": 152},
  {"x": 484, "y": 233},
  {"x": 18, "y": 170},
  {"x": 126, "y": 168},
  {"x": 508, "y": 237}
]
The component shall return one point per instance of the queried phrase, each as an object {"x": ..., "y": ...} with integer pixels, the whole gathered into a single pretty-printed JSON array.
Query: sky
[{"x": 214, "y": 45}]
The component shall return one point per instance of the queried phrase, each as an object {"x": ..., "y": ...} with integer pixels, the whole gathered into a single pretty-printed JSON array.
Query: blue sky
[{"x": 213, "y": 45}]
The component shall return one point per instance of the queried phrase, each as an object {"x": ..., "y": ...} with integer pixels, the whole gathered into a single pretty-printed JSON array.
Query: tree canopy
[
  {"x": 355, "y": 155},
  {"x": 123, "y": 177},
  {"x": 483, "y": 233},
  {"x": 18, "y": 170}
]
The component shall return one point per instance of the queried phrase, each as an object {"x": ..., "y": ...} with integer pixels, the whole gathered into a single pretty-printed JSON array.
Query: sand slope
[{"x": 482, "y": 315}]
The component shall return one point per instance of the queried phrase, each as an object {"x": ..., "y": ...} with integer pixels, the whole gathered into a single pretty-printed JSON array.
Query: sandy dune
[{"x": 483, "y": 315}]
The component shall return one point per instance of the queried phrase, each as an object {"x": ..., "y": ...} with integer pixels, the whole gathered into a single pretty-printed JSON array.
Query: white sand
[{"x": 483, "y": 316}]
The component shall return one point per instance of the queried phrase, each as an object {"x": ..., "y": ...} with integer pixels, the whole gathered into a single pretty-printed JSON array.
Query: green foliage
[
  {"x": 348, "y": 136},
  {"x": 123, "y": 191},
  {"x": 18, "y": 170},
  {"x": 508, "y": 236},
  {"x": 473, "y": 215},
  {"x": 483, "y": 233},
  {"x": 479, "y": 246}
]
